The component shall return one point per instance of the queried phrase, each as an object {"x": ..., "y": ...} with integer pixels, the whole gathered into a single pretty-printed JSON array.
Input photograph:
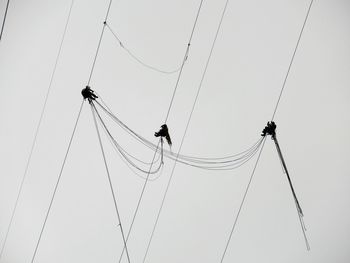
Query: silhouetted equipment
[
  {"x": 270, "y": 129},
  {"x": 89, "y": 94},
  {"x": 164, "y": 132}
]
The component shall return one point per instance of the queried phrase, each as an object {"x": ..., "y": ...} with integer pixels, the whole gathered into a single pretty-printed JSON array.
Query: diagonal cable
[
  {"x": 99, "y": 42},
  {"x": 37, "y": 129},
  {"x": 139, "y": 60},
  {"x": 167, "y": 115},
  {"x": 273, "y": 115},
  {"x": 57, "y": 183},
  {"x": 242, "y": 202},
  {"x": 110, "y": 182},
  {"x": 292, "y": 59},
  {"x": 4, "y": 20},
  {"x": 187, "y": 125}
]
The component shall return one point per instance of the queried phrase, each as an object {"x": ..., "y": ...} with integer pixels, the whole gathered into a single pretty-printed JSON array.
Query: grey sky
[{"x": 238, "y": 96}]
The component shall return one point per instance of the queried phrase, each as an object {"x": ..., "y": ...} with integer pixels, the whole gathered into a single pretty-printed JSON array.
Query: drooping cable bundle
[{"x": 228, "y": 162}]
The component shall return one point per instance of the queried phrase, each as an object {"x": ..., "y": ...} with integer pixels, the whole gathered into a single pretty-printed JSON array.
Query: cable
[
  {"x": 99, "y": 42},
  {"x": 110, "y": 182},
  {"x": 4, "y": 20},
  {"x": 138, "y": 206},
  {"x": 171, "y": 101},
  {"x": 137, "y": 59},
  {"x": 37, "y": 129},
  {"x": 122, "y": 151},
  {"x": 58, "y": 181},
  {"x": 183, "y": 61},
  {"x": 216, "y": 163},
  {"x": 273, "y": 115},
  {"x": 291, "y": 61},
  {"x": 242, "y": 202},
  {"x": 187, "y": 125}
]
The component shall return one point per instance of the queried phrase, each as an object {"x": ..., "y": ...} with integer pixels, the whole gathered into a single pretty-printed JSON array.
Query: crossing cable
[
  {"x": 187, "y": 125},
  {"x": 99, "y": 42},
  {"x": 57, "y": 183},
  {"x": 167, "y": 115},
  {"x": 4, "y": 20},
  {"x": 37, "y": 128},
  {"x": 110, "y": 182},
  {"x": 273, "y": 115},
  {"x": 139, "y": 60}
]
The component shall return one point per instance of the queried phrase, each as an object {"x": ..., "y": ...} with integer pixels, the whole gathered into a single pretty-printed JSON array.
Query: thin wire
[
  {"x": 138, "y": 203},
  {"x": 37, "y": 128},
  {"x": 291, "y": 61},
  {"x": 183, "y": 61},
  {"x": 58, "y": 181},
  {"x": 4, "y": 20},
  {"x": 110, "y": 182},
  {"x": 139, "y": 60},
  {"x": 273, "y": 115},
  {"x": 172, "y": 99},
  {"x": 243, "y": 200},
  {"x": 187, "y": 125},
  {"x": 99, "y": 42}
]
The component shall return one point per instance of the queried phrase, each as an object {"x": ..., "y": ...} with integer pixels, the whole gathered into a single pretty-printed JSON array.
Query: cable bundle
[{"x": 229, "y": 162}]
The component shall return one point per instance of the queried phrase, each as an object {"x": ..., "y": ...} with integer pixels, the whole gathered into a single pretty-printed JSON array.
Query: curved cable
[{"x": 139, "y": 60}]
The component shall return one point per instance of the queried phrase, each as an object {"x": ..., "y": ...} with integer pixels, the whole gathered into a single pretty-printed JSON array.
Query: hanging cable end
[
  {"x": 270, "y": 129},
  {"x": 89, "y": 94}
]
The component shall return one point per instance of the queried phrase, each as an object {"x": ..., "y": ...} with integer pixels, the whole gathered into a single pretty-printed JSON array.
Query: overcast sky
[{"x": 238, "y": 96}]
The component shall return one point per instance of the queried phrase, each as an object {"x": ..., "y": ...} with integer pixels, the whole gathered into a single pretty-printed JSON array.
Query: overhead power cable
[
  {"x": 57, "y": 182},
  {"x": 99, "y": 42},
  {"x": 37, "y": 127},
  {"x": 273, "y": 115},
  {"x": 292, "y": 60},
  {"x": 167, "y": 115},
  {"x": 185, "y": 132},
  {"x": 4, "y": 19},
  {"x": 110, "y": 182},
  {"x": 137, "y": 58}
]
